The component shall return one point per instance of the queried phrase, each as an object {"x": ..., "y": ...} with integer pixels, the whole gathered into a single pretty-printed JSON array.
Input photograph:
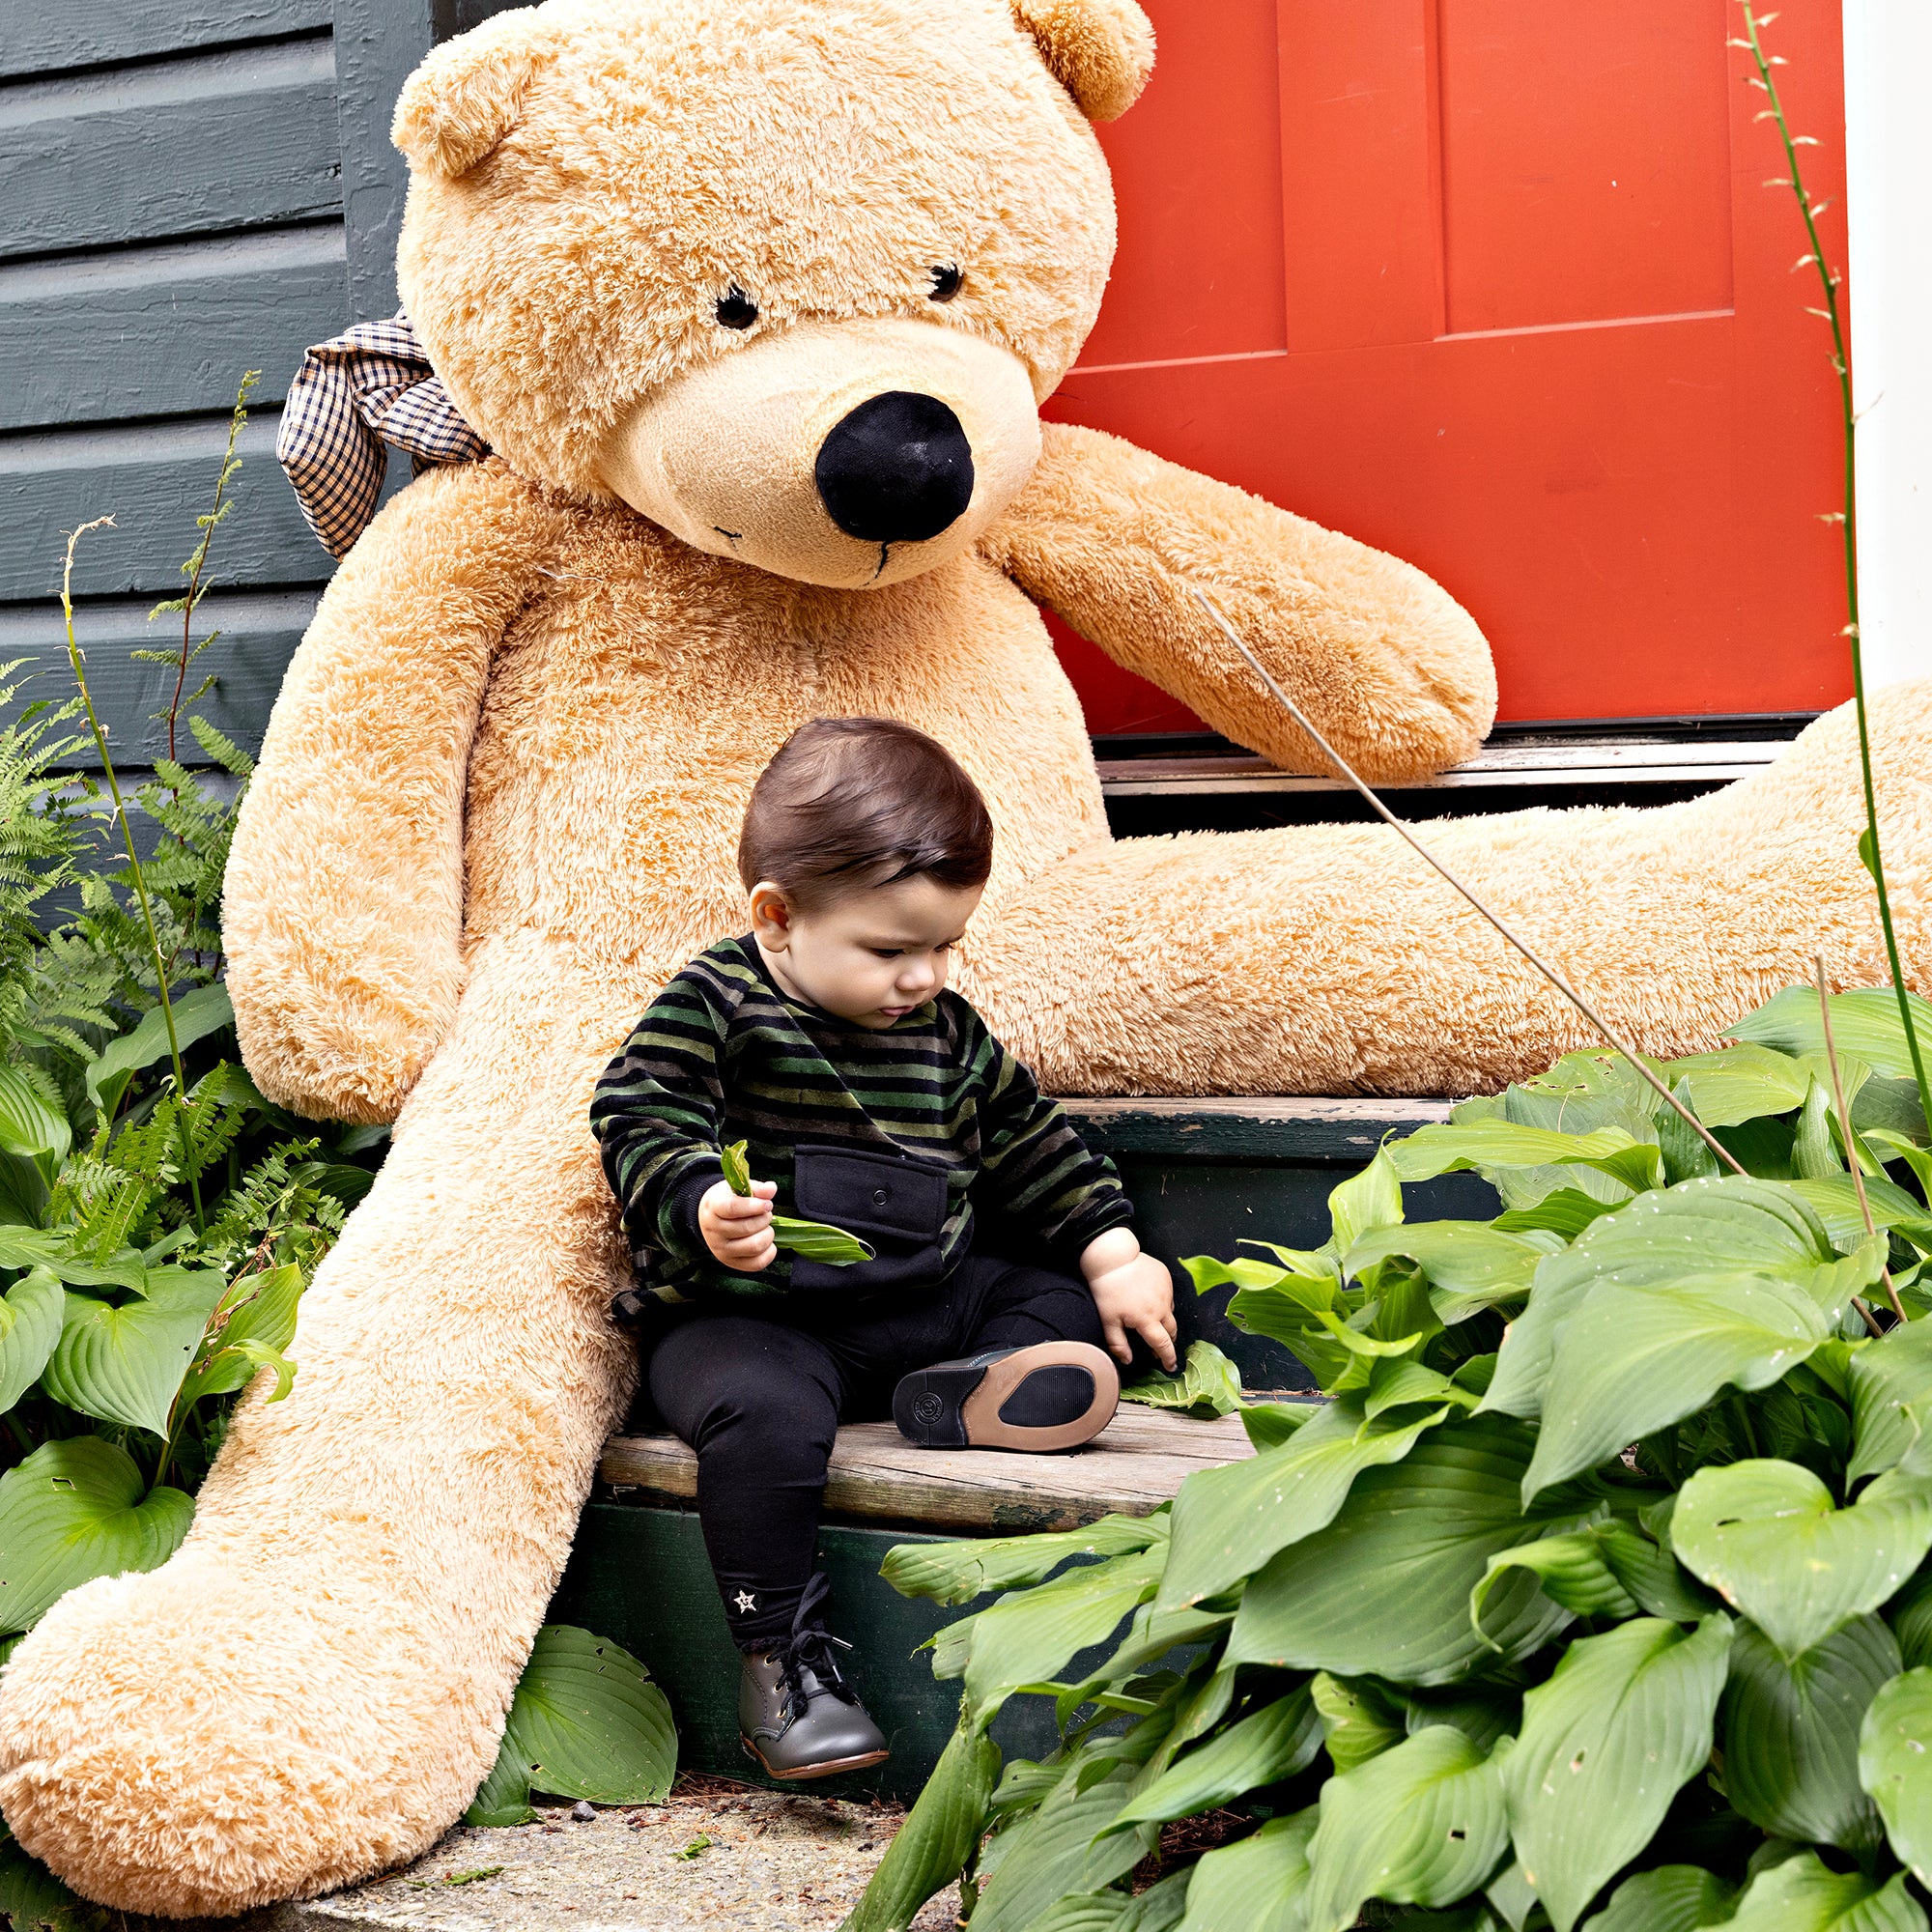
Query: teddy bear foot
[{"x": 201, "y": 1739}]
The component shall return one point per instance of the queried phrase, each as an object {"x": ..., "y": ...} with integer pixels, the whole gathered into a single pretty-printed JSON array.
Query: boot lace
[{"x": 811, "y": 1647}]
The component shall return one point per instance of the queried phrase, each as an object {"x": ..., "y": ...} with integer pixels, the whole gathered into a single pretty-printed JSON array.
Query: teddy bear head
[{"x": 789, "y": 278}]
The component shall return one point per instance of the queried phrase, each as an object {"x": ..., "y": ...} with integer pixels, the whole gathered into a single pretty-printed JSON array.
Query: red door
[{"x": 1494, "y": 285}]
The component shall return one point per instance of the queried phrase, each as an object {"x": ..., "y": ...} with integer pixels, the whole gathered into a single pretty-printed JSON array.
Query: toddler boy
[{"x": 873, "y": 1099}]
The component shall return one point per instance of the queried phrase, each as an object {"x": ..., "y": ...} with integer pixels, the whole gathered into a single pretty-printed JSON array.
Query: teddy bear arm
[
  {"x": 1387, "y": 665},
  {"x": 343, "y": 896}
]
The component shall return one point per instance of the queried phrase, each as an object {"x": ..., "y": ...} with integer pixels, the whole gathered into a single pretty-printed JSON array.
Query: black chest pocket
[{"x": 899, "y": 1205}]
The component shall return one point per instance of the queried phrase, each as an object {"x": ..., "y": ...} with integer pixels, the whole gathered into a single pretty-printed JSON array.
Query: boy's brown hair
[{"x": 850, "y": 804}]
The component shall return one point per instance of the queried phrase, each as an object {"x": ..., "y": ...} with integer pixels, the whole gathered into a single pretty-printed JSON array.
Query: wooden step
[{"x": 1136, "y": 1465}]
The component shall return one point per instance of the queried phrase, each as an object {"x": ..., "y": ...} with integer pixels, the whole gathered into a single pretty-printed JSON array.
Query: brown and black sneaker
[{"x": 1052, "y": 1395}]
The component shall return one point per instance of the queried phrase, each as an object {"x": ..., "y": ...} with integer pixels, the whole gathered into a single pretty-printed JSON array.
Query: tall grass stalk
[
  {"x": 120, "y": 818},
  {"x": 1766, "y": 81}
]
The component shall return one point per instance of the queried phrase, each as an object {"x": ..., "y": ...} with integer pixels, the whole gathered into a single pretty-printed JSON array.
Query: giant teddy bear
[{"x": 756, "y": 301}]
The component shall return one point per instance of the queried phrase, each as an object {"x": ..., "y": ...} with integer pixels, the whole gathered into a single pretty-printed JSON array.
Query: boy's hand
[
  {"x": 737, "y": 1228},
  {"x": 1133, "y": 1293}
]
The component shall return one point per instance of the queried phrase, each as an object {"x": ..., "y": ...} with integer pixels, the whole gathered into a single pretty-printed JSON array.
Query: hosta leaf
[
  {"x": 1384, "y": 1590},
  {"x": 1721, "y": 1229},
  {"x": 1405, "y": 1384},
  {"x": 1910, "y": 1615},
  {"x": 1565, "y": 1212},
  {"x": 1258, "y": 1885},
  {"x": 1672, "y": 1898},
  {"x": 124, "y": 1364},
  {"x": 1230, "y": 1520},
  {"x": 1572, "y": 1571},
  {"x": 957, "y": 1571},
  {"x": 1276, "y": 1742},
  {"x": 1790, "y": 1732},
  {"x": 940, "y": 1832},
  {"x": 1367, "y": 1200},
  {"x": 815, "y": 1241},
  {"x": 257, "y": 1325},
  {"x": 30, "y": 1325},
  {"x": 1488, "y": 1145},
  {"x": 74, "y": 1510},
  {"x": 1056, "y": 1852},
  {"x": 1895, "y": 1766},
  {"x": 1765, "y": 1536},
  {"x": 1885, "y": 1376},
  {"x": 1802, "y": 1895},
  {"x": 1209, "y": 1384},
  {"x": 1837, "y": 1200},
  {"x": 586, "y": 1722},
  {"x": 1606, "y": 1745},
  {"x": 198, "y": 1013},
  {"x": 1739, "y": 1083},
  {"x": 1468, "y": 1264},
  {"x": 1359, "y": 1719},
  {"x": 1633, "y": 1360},
  {"x": 1864, "y": 1024},
  {"x": 1423, "y": 1824},
  {"x": 1027, "y": 1639}
]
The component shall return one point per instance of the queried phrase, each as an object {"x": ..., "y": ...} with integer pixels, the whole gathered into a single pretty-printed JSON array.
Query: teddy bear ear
[
  {"x": 1101, "y": 52},
  {"x": 459, "y": 104}
]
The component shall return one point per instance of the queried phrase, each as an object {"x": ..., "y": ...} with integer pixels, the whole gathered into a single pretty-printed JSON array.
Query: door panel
[{"x": 1494, "y": 285}]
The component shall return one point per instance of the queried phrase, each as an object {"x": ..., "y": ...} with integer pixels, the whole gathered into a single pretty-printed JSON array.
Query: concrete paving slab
[{"x": 715, "y": 1855}]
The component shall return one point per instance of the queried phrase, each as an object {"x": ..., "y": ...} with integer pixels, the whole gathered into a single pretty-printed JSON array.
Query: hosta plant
[{"x": 1594, "y": 1590}]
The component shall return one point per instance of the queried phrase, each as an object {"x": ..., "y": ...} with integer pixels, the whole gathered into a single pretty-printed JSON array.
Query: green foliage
[
  {"x": 586, "y": 1722},
  {"x": 1596, "y": 1591},
  {"x": 814, "y": 1240},
  {"x": 1209, "y": 1384}
]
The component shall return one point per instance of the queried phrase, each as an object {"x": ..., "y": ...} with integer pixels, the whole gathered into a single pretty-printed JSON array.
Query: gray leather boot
[{"x": 797, "y": 1715}]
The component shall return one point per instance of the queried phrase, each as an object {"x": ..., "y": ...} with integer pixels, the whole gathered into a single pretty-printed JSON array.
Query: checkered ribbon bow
[{"x": 355, "y": 395}]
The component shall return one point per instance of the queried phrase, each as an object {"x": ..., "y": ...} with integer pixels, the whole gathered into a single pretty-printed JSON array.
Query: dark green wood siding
[{"x": 193, "y": 188}]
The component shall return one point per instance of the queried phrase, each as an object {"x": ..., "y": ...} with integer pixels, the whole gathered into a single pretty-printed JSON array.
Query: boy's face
[{"x": 869, "y": 958}]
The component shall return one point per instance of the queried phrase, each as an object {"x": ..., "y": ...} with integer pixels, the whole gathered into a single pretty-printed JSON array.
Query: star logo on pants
[{"x": 746, "y": 1603}]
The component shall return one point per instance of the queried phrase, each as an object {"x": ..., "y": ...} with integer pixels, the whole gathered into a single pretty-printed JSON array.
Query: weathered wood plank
[
  {"x": 1262, "y": 1129},
  {"x": 45, "y": 38},
  {"x": 378, "y": 44},
  {"x": 167, "y": 331},
  {"x": 259, "y": 632},
  {"x": 1134, "y": 1467},
  {"x": 154, "y": 479},
  {"x": 186, "y": 147}
]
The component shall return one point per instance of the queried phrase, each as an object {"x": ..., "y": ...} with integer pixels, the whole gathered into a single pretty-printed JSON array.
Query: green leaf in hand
[
  {"x": 73, "y": 1511},
  {"x": 811, "y": 1240},
  {"x": 1209, "y": 1384}
]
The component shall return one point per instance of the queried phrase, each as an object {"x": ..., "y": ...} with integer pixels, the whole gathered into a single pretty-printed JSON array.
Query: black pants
[{"x": 760, "y": 1399}]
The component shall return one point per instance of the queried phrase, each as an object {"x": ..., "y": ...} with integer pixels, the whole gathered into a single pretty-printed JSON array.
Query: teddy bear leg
[
  {"x": 1331, "y": 960},
  {"x": 312, "y": 1688}
]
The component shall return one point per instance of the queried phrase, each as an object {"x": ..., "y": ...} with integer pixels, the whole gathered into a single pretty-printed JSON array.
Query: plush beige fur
[{"x": 500, "y": 793}]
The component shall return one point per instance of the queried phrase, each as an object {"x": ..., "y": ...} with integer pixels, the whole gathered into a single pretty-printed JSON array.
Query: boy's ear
[
  {"x": 459, "y": 104},
  {"x": 1101, "y": 52}
]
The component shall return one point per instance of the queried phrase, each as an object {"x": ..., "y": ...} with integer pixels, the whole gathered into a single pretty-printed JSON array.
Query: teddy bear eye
[
  {"x": 736, "y": 309},
  {"x": 946, "y": 281}
]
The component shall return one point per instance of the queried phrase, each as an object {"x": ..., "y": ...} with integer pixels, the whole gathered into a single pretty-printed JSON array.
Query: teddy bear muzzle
[{"x": 849, "y": 454}]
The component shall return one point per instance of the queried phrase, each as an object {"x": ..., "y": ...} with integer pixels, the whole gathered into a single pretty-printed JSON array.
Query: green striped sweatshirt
[{"x": 897, "y": 1134}]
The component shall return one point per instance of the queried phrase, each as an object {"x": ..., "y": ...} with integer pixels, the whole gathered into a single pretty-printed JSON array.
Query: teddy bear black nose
[{"x": 897, "y": 470}]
